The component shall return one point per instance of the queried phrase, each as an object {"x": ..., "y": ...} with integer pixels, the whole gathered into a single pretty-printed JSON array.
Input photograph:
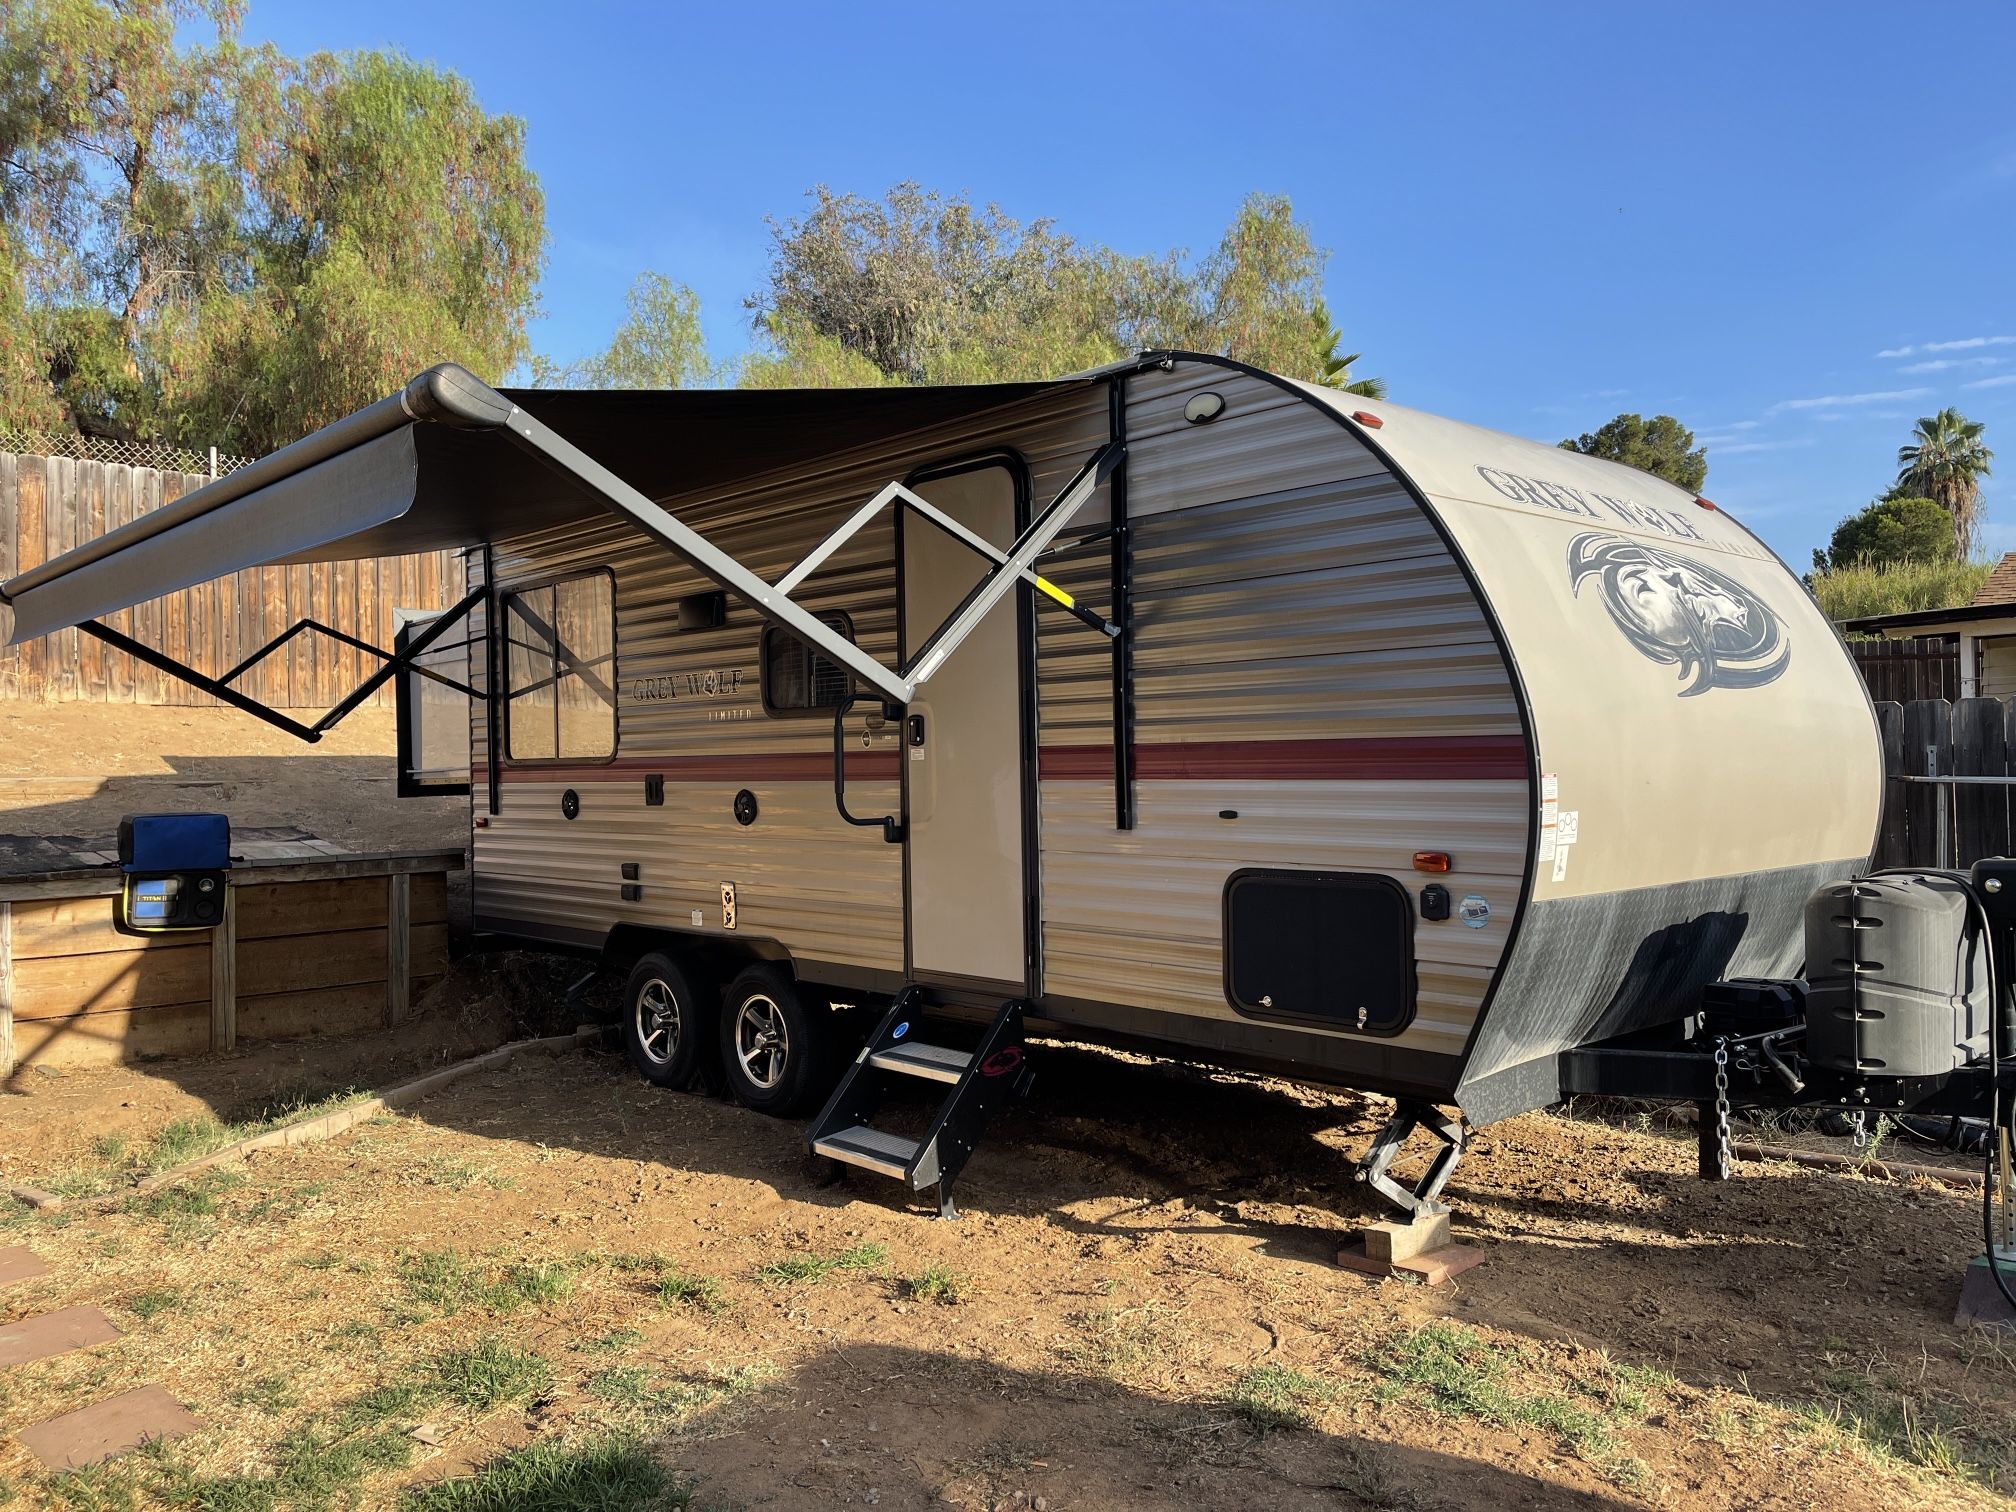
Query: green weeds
[{"x": 788, "y": 1270}]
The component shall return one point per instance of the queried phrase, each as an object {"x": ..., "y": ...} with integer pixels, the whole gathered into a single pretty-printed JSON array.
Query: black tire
[
  {"x": 776, "y": 1050},
  {"x": 668, "y": 1027}
]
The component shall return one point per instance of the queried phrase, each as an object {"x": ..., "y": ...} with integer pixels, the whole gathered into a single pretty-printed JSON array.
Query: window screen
[
  {"x": 796, "y": 678},
  {"x": 559, "y": 670}
]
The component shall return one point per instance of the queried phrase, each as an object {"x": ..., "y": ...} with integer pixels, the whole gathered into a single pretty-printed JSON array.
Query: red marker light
[
  {"x": 1367, "y": 418},
  {"x": 1431, "y": 861},
  {"x": 1704, "y": 503}
]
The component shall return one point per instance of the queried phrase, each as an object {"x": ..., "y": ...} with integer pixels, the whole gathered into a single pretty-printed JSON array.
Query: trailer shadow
[{"x": 901, "y": 1427}]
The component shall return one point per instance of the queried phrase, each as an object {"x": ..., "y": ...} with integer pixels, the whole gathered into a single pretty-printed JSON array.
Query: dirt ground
[
  {"x": 1138, "y": 1308},
  {"x": 554, "y": 1266},
  {"x": 76, "y": 769}
]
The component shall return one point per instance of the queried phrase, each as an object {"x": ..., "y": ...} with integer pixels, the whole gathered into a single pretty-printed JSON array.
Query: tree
[
  {"x": 1892, "y": 530},
  {"x": 659, "y": 345},
  {"x": 212, "y": 244},
  {"x": 928, "y": 289},
  {"x": 1946, "y": 461},
  {"x": 117, "y": 191},
  {"x": 1661, "y": 446}
]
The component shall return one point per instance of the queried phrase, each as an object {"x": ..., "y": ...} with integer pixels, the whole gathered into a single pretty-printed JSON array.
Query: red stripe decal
[
  {"x": 1431, "y": 758},
  {"x": 1442, "y": 758}
]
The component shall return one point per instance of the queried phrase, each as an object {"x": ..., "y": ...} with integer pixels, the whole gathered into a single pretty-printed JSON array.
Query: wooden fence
[
  {"x": 1926, "y": 666},
  {"x": 50, "y": 504},
  {"x": 1934, "y": 825}
]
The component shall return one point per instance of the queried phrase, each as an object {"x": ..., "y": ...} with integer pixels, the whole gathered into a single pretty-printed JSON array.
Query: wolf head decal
[{"x": 1680, "y": 612}]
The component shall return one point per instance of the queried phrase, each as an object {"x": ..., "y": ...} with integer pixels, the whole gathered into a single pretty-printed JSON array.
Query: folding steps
[{"x": 979, "y": 1081}]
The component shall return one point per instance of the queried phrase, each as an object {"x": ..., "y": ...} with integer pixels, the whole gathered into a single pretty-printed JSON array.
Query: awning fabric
[{"x": 440, "y": 466}]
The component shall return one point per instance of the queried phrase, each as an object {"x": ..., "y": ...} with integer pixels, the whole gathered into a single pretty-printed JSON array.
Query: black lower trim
[{"x": 1588, "y": 969}]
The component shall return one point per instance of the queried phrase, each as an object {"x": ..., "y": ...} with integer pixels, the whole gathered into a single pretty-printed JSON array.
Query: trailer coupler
[{"x": 1423, "y": 1198}]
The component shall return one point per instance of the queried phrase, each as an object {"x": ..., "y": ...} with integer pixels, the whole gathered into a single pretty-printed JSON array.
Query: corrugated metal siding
[
  {"x": 1286, "y": 587},
  {"x": 827, "y": 891}
]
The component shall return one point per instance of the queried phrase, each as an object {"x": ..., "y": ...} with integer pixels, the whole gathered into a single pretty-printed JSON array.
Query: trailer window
[
  {"x": 559, "y": 666},
  {"x": 796, "y": 678},
  {"x": 433, "y": 708}
]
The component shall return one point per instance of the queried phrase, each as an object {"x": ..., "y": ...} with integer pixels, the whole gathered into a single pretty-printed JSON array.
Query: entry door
[{"x": 964, "y": 783}]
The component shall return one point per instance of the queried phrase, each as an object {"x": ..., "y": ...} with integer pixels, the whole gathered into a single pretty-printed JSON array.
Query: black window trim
[
  {"x": 532, "y": 585},
  {"x": 838, "y": 619}
]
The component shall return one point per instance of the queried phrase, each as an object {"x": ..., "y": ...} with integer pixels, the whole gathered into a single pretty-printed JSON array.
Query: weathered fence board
[
  {"x": 1929, "y": 825},
  {"x": 49, "y": 505},
  {"x": 1904, "y": 671}
]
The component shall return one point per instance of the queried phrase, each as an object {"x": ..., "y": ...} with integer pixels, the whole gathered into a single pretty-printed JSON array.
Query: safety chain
[
  {"x": 1858, "y": 1128},
  {"x": 1722, "y": 1108}
]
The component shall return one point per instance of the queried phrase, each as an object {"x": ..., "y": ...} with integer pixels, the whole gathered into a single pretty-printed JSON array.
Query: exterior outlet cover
[{"x": 727, "y": 905}]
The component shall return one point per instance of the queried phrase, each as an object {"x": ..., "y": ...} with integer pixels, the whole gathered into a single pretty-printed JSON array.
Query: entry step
[
  {"x": 872, "y": 1149},
  {"x": 933, "y": 1062}
]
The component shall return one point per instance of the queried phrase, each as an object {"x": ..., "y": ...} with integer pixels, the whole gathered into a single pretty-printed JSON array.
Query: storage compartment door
[{"x": 1334, "y": 950}]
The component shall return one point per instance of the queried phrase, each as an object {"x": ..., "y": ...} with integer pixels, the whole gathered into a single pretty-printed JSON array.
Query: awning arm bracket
[{"x": 220, "y": 688}]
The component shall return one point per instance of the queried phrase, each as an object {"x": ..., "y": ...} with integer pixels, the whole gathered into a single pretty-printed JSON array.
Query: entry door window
[{"x": 559, "y": 668}]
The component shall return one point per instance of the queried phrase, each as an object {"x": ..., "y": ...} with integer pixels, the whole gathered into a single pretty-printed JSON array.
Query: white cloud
[
  {"x": 1941, "y": 364},
  {"x": 1835, "y": 401},
  {"x": 1966, "y": 343},
  {"x": 2000, "y": 380},
  {"x": 1759, "y": 446},
  {"x": 1970, "y": 342}
]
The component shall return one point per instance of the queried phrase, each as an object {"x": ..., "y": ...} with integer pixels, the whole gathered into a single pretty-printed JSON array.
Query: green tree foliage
[
  {"x": 917, "y": 287},
  {"x": 1891, "y": 530},
  {"x": 117, "y": 192},
  {"x": 1946, "y": 461},
  {"x": 1661, "y": 446},
  {"x": 659, "y": 345},
  {"x": 216, "y": 244}
]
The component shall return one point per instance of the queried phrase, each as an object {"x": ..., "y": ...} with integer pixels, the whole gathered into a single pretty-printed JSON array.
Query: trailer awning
[{"x": 449, "y": 462}]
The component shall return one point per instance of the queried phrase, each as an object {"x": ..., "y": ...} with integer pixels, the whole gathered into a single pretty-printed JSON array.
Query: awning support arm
[
  {"x": 220, "y": 687},
  {"x": 773, "y": 601}
]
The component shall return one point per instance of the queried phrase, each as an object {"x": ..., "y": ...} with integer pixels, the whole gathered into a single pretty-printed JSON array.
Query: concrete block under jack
[
  {"x": 1981, "y": 1300},
  {"x": 1393, "y": 1241}
]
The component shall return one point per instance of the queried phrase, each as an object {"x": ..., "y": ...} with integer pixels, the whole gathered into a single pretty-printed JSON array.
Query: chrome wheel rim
[
  {"x": 762, "y": 1043},
  {"x": 658, "y": 1019}
]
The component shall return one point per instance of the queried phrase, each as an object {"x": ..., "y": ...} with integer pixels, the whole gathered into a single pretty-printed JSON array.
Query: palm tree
[
  {"x": 1333, "y": 371},
  {"x": 1946, "y": 462}
]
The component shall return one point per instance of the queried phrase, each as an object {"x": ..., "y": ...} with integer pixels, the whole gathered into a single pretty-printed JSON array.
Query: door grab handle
[{"x": 891, "y": 826}]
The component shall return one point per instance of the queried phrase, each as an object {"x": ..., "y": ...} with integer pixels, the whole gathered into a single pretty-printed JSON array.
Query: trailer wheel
[
  {"x": 777, "y": 1054},
  {"x": 667, "y": 1028}
]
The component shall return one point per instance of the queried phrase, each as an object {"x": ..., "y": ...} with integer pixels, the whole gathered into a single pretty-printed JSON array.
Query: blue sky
[{"x": 1790, "y": 224}]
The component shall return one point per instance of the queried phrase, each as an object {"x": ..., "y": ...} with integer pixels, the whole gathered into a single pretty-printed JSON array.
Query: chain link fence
[{"x": 85, "y": 448}]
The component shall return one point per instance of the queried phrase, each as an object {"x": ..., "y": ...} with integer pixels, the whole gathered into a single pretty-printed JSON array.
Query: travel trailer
[{"x": 1175, "y": 705}]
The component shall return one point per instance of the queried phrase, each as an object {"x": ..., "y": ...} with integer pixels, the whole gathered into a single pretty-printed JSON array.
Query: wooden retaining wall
[
  {"x": 50, "y": 504},
  {"x": 334, "y": 948}
]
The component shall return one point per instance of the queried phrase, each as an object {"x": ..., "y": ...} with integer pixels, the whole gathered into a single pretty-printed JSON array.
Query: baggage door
[{"x": 966, "y": 780}]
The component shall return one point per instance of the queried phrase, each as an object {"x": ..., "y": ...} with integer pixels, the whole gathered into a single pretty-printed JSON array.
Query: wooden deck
[{"x": 315, "y": 940}]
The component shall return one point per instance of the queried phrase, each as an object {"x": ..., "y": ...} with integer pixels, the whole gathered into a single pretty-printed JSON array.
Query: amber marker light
[{"x": 1431, "y": 861}]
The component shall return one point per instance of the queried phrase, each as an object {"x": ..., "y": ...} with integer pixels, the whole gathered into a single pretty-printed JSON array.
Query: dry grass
[{"x": 433, "y": 1311}]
